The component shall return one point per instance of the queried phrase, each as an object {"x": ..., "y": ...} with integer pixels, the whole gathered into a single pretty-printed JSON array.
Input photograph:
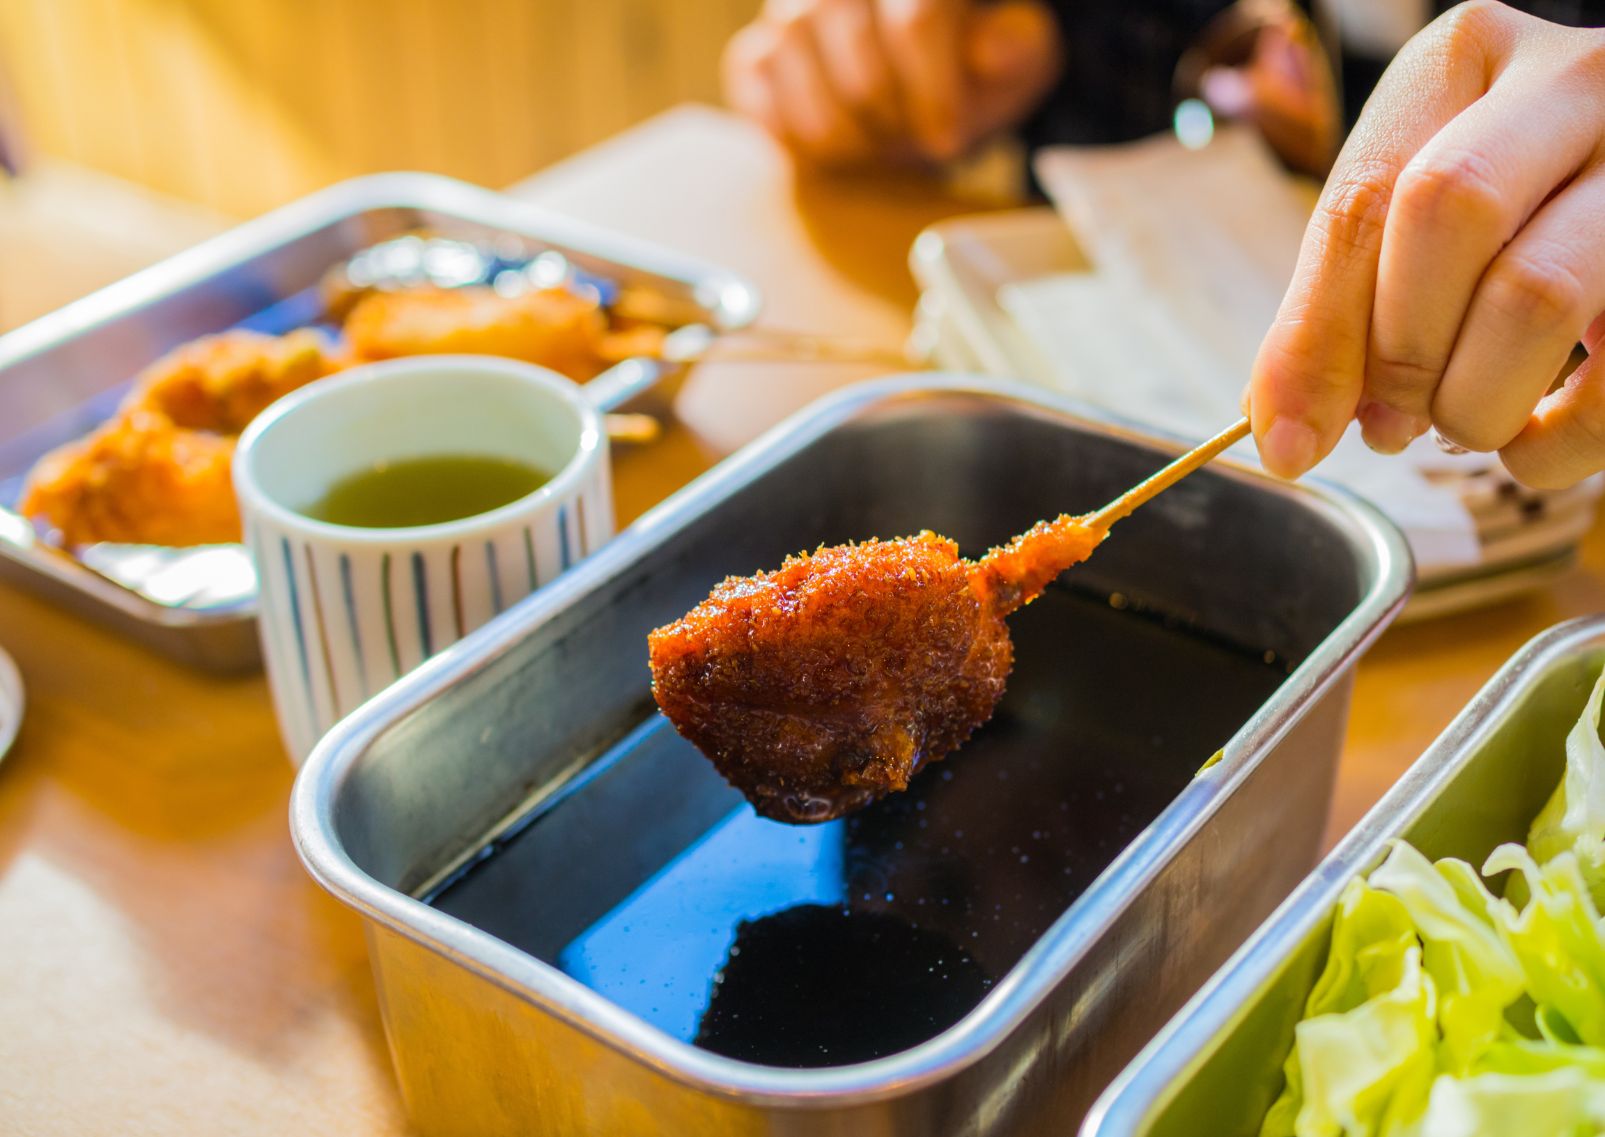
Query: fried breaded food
[
  {"x": 158, "y": 474},
  {"x": 832, "y": 681},
  {"x": 551, "y": 327},
  {"x": 220, "y": 383},
  {"x": 138, "y": 479}
]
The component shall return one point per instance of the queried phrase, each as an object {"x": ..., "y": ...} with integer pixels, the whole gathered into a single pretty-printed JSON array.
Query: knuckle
[
  {"x": 1299, "y": 355},
  {"x": 839, "y": 14},
  {"x": 1470, "y": 27},
  {"x": 859, "y": 69},
  {"x": 747, "y": 48},
  {"x": 867, "y": 47},
  {"x": 771, "y": 55},
  {"x": 792, "y": 31},
  {"x": 1536, "y": 294},
  {"x": 1451, "y": 190},
  {"x": 913, "y": 18},
  {"x": 1591, "y": 50},
  {"x": 1585, "y": 68},
  {"x": 1352, "y": 213},
  {"x": 745, "y": 73}
]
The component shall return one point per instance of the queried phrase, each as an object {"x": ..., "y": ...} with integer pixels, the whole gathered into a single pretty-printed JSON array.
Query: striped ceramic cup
[{"x": 346, "y": 610}]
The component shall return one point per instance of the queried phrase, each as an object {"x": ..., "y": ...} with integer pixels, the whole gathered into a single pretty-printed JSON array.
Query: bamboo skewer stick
[{"x": 1143, "y": 491}]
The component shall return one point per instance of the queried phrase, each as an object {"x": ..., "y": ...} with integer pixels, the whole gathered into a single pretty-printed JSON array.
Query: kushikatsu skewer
[{"x": 828, "y": 683}]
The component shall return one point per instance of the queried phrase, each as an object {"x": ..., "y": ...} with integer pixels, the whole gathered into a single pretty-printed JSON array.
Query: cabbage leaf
[
  {"x": 1573, "y": 820},
  {"x": 1446, "y": 1010}
]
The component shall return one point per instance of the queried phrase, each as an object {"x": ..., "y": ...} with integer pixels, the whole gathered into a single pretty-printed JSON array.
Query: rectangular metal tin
[
  {"x": 1216, "y": 1067},
  {"x": 487, "y": 1038},
  {"x": 60, "y": 375}
]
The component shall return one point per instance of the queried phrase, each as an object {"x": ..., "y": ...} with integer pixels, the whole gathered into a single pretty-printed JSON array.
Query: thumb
[{"x": 1012, "y": 57}]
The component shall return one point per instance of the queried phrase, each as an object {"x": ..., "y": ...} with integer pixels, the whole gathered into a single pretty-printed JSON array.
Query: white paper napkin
[{"x": 1191, "y": 252}]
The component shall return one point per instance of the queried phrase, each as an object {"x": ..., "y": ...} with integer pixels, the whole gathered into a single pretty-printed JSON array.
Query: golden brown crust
[
  {"x": 137, "y": 479},
  {"x": 1015, "y": 574},
  {"x": 550, "y": 327},
  {"x": 159, "y": 473},
  {"x": 819, "y": 687},
  {"x": 830, "y": 682},
  {"x": 220, "y": 383}
]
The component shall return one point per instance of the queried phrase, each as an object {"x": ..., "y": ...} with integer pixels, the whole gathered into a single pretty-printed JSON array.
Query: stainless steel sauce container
[{"x": 488, "y": 1039}]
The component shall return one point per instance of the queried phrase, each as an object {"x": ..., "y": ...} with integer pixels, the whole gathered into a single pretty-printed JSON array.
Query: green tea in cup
[{"x": 428, "y": 490}]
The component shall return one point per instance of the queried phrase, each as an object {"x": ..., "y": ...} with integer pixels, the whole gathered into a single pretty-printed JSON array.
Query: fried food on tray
[
  {"x": 220, "y": 383},
  {"x": 551, "y": 327},
  {"x": 158, "y": 474},
  {"x": 830, "y": 682},
  {"x": 138, "y": 479}
]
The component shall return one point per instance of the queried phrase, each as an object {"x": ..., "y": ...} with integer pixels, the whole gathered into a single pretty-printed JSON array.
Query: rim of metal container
[
  {"x": 1377, "y": 543},
  {"x": 1153, "y": 1077},
  {"x": 735, "y": 301},
  {"x": 734, "y": 298}
]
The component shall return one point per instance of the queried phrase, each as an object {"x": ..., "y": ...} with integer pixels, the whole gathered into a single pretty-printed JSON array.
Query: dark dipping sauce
[{"x": 823, "y": 945}]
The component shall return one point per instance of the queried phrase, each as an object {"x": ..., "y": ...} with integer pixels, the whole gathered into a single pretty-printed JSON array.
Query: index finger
[
  {"x": 1310, "y": 372},
  {"x": 923, "y": 41}
]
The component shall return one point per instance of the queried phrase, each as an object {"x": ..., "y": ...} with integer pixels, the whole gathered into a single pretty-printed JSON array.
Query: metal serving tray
[
  {"x": 1217, "y": 1066},
  {"x": 63, "y": 374},
  {"x": 524, "y": 726}
]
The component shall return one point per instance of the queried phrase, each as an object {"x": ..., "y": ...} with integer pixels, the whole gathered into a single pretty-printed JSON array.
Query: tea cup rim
[{"x": 562, "y": 485}]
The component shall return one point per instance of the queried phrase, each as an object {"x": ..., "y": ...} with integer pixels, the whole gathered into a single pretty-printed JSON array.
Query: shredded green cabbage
[{"x": 1445, "y": 1010}]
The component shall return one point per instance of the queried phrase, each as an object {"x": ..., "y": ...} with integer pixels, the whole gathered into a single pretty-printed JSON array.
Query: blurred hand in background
[
  {"x": 844, "y": 82},
  {"x": 1283, "y": 85}
]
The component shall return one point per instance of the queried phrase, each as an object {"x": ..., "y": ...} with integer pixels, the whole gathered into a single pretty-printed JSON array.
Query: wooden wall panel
[{"x": 243, "y": 104}]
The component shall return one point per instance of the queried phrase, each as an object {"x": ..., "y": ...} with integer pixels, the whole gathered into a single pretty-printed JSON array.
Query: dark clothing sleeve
[{"x": 1121, "y": 56}]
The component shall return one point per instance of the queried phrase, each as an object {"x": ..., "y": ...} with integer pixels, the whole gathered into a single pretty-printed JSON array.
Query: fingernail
[
  {"x": 1449, "y": 445},
  {"x": 1288, "y": 448},
  {"x": 1388, "y": 430}
]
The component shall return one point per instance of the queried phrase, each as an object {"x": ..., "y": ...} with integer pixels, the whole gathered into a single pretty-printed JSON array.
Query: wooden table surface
[{"x": 165, "y": 965}]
